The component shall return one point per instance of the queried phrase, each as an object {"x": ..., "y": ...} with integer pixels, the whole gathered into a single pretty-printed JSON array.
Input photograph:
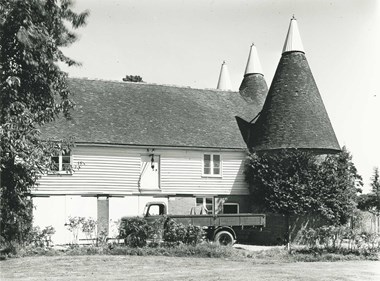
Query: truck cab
[{"x": 155, "y": 209}]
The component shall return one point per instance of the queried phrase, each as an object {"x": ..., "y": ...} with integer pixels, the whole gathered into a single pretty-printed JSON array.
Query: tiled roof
[
  {"x": 293, "y": 115},
  {"x": 155, "y": 115},
  {"x": 254, "y": 89}
]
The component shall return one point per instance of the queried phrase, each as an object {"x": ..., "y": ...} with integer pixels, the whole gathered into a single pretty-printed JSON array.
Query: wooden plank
[{"x": 110, "y": 169}]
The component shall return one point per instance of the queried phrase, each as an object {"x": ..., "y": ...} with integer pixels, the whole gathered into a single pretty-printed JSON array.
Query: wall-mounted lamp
[{"x": 151, "y": 155}]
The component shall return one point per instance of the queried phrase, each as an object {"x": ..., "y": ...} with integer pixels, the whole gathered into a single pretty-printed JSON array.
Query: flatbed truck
[{"x": 224, "y": 229}]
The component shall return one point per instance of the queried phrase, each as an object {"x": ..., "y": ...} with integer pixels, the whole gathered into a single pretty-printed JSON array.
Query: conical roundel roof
[
  {"x": 224, "y": 82},
  {"x": 293, "y": 115},
  {"x": 253, "y": 88}
]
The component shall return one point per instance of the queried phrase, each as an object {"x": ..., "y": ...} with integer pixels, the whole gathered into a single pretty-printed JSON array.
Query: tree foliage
[
  {"x": 133, "y": 78},
  {"x": 33, "y": 91},
  {"x": 371, "y": 201},
  {"x": 293, "y": 182}
]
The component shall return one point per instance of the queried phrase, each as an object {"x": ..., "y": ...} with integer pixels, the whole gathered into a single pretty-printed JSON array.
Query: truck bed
[{"x": 221, "y": 220}]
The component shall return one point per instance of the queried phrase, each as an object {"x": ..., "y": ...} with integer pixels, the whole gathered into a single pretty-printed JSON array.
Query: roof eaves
[{"x": 161, "y": 146}]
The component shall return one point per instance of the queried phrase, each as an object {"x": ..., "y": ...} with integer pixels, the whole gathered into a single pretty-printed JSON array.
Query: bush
[
  {"x": 74, "y": 225},
  {"x": 177, "y": 233},
  {"x": 338, "y": 237},
  {"x": 89, "y": 228},
  {"x": 194, "y": 235},
  {"x": 134, "y": 231},
  {"x": 174, "y": 233},
  {"x": 40, "y": 237},
  {"x": 334, "y": 254},
  {"x": 156, "y": 231}
]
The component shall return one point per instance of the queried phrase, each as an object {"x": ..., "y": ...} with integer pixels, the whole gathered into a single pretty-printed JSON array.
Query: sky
[{"x": 184, "y": 43}]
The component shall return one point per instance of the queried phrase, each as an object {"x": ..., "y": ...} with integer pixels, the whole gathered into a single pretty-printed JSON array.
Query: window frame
[
  {"x": 204, "y": 203},
  {"x": 60, "y": 170},
  {"x": 212, "y": 165},
  {"x": 231, "y": 204}
]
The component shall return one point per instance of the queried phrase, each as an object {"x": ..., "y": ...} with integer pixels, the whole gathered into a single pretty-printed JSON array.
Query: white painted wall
[
  {"x": 116, "y": 171},
  {"x": 181, "y": 172},
  {"x": 56, "y": 210},
  {"x": 150, "y": 172},
  {"x": 128, "y": 206}
]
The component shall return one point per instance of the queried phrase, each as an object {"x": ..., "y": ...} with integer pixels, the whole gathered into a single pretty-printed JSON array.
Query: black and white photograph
[{"x": 190, "y": 140}]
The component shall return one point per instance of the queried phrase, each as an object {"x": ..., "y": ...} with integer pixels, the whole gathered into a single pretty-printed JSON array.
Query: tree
[
  {"x": 371, "y": 201},
  {"x": 33, "y": 91},
  {"x": 337, "y": 183},
  {"x": 293, "y": 182},
  {"x": 133, "y": 78}
]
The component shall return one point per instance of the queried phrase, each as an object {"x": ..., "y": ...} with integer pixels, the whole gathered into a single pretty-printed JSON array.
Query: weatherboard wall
[{"x": 113, "y": 170}]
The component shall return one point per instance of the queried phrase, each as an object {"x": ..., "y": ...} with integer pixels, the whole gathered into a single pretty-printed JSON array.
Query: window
[
  {"x": 206, "y": 203},
  {"x": 212, "y": 164},
  {"x": 156, "y": 210},
  {"x": 62, "y": 162},
  {"x": 230, "y": 208}
]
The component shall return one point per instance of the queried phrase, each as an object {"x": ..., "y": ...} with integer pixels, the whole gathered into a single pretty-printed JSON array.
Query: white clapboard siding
[
  {"x": 116, "y": 171},
  {"x": 104, "y": 170},
  {"x": 182, "y": 173}
]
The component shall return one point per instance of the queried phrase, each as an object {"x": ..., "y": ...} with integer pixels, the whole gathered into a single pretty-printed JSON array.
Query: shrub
[
  {"x": 194, "y": 235},
  {"x": 89, "y": 228},
  {"x": 174, "y": 232},
  {"x": 156, "y": 231},
  {"x": 177, "y": 233},
  {"x": 40, "y": 237},
  {"x": 73, "y": 226},
  {"x": 335, "y": 238},
  {"x": 134, "y": 231},
  {"x": 308, "y": 237}
]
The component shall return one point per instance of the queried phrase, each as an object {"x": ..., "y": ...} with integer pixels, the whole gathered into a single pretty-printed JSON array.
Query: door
[{"x": 150, "y": 172}]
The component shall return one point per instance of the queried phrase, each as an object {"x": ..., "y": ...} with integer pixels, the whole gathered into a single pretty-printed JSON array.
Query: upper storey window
[
  {"x": 62, "y": 162},
  {"x": 212, "y": 165}
]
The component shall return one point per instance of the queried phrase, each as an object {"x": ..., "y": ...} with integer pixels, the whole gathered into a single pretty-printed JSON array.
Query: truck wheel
[{"x": 224, "y": 238}]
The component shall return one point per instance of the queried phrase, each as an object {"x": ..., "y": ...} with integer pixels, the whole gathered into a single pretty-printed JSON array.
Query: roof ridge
[{"x": 149, "y": 84}]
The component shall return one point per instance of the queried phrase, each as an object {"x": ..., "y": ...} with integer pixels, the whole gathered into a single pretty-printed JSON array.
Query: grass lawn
[{"x": 173, "y": 268}]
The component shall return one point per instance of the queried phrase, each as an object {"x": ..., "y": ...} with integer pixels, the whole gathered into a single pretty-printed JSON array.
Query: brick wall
[
  {"x": 242, "y": 200},
  {"x": 103, "y": 215},
  {"x": 180, "y": 205}
]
